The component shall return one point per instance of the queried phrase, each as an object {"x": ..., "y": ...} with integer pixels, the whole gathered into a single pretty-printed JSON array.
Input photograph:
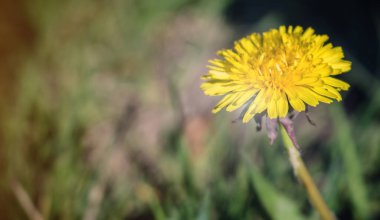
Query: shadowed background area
[{"x": 102, "y": 117}]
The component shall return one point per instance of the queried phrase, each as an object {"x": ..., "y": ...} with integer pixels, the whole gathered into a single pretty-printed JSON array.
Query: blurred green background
[{"x": 101, "y": 115}]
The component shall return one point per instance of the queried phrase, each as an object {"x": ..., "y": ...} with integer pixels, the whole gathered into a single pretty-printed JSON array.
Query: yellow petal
[
  {"x": 306, "y": 81},
  {"x": 342, "y": 66},
  {"x": 308, "y": 33},
  {"x": 290, "y": 91},
  {"x": 272, "y": 108},
  {"x": 323, "y": 70},
  {"x": 306, "y": 95},
  {"x": 323, "y": 99},
  {"x": 256, "y": 40},
  {"x": 247, "y": 45},
  {"x": 290, "y": 29},
  {"x": 338, "y": 97},
  {"x": 324, "y": 92},
  {"x": 216, "y": 62},
  {"x": 297, "y": 104},
  {"x": 216, "y": 89},
  {"x": 224, "y": 102},
  {"x": 336, "y": 83},
  {"x": 298, "y": 30},
  {"x": 323, "y": 50},
  {"x": 256, "y": 105},
  {"x": 220, "y": 75},
  {"x": 282, "y": 106},
  {"x": 243, "y": 98},
  {"x": 217, "y": 68}
]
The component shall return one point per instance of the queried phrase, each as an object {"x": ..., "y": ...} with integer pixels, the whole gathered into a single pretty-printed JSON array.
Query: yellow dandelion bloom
[{"x": 281, "y": 67}]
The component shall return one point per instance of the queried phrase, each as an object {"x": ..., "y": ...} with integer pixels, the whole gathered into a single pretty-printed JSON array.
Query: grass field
[{"x": 102, "y": 117}]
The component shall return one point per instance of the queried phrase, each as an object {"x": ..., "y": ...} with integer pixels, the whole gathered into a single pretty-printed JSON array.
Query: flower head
[{"x": 281, "y": 67}]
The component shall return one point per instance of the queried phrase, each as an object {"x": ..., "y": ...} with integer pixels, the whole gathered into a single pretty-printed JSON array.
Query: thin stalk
[{"x": 303, "y": 175}]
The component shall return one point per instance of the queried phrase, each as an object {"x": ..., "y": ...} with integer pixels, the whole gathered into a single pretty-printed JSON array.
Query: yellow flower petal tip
[{"x": 277, "y": 71}]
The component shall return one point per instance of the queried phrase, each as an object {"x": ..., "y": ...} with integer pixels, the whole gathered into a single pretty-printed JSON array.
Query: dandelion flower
[{"x": 282, "y": 69}]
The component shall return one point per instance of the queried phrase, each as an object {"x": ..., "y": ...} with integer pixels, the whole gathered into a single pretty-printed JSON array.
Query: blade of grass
[
  {"x": 352, "y": 166},
  {"x": 277, "y": 205}
]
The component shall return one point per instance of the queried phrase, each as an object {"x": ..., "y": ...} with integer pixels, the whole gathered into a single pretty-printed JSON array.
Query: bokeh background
[{"x": 101, "y": 115}]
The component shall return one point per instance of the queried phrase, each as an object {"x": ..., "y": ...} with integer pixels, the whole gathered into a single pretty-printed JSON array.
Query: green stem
[{"x": 303, "y": 175}]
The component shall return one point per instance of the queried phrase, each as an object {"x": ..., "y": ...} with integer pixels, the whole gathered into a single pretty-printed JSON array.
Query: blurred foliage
[{"x": 103, "y": 119}]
